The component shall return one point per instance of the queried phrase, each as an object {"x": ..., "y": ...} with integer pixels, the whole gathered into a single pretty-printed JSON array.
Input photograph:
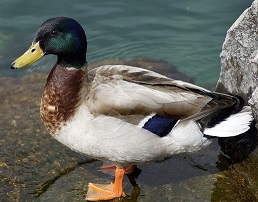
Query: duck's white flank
[
  {"x": 108, "y": 138},
  {"x": 234, "y": 125},
  {"x": 186, "y": 136}
]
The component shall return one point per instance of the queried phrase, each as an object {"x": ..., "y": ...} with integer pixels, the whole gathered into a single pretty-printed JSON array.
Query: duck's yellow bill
[{"x": 33, "y": 54}]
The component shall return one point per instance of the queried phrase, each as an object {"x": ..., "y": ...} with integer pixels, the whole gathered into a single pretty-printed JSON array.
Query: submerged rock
[
  {"x": 30, "y": 159},
  {"x": 240, "y": 183}
]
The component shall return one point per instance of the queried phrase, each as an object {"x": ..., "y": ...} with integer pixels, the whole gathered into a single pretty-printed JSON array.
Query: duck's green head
[{"x": 60, "y": 36}]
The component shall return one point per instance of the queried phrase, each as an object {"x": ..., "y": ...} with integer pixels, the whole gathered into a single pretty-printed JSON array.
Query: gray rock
[
  {"x": 239, "y": 56},
  {"x": 253, "y": 102}
]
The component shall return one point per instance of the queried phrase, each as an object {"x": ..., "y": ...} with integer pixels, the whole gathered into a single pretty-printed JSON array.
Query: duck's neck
[
  {"x": 76, "y": 61},
  {"x": 62, "y": 95},
  {"x": 75, "y": 56}
]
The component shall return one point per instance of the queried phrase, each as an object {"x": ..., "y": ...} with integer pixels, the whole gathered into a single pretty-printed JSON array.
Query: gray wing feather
[{"x": 124, "y": 90}]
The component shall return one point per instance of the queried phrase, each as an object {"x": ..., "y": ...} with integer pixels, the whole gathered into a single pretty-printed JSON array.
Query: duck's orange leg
[{"x": 97, "y": 192}]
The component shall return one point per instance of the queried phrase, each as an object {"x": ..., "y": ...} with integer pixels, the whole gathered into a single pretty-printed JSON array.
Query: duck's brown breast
[{"x": 61, "y": 97}]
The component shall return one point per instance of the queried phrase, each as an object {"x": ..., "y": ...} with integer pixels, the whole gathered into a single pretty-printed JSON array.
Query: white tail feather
[{"x": 234, "y": 125}]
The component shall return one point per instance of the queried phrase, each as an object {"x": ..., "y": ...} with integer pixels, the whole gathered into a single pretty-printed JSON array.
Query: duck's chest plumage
[{"x": 61, "y": 97}]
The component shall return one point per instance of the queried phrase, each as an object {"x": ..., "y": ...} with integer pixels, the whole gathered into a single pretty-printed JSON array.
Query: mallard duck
[{"x": 123, "y": 114}]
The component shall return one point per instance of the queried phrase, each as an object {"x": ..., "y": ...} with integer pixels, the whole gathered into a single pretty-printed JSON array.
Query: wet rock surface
[
  {"x": 35, "y": 167},
  {"x": 240, "y": 183}
]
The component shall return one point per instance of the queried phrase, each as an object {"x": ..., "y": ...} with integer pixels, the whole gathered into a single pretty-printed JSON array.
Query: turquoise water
[{"x": 186, "y": 33}]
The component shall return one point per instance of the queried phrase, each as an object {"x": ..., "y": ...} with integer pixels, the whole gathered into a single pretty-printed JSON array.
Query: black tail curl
[{"x": 219, "y": 115}]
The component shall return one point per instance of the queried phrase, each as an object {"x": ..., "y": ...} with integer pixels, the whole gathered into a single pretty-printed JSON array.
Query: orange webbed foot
[{"x": 97, "y": 192}]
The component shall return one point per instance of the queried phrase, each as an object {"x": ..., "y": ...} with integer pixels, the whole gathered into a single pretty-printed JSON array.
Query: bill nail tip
[{"x": 13, "y": 66}]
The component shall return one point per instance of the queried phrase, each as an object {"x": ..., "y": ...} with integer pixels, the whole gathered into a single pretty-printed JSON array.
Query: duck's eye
[{"x": 54, "y": 33}]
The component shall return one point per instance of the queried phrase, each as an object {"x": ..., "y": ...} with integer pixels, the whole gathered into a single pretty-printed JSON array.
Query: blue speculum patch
[{"x": 159, "y": 125}]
